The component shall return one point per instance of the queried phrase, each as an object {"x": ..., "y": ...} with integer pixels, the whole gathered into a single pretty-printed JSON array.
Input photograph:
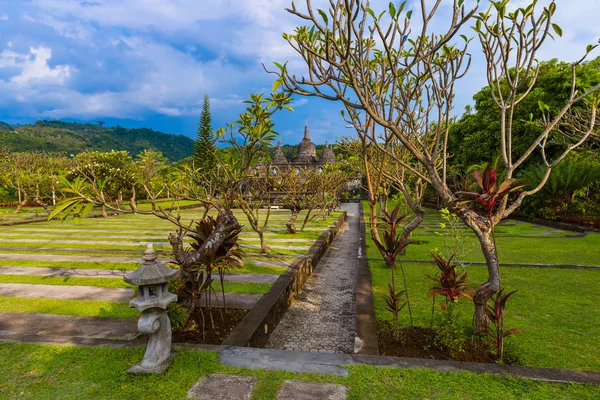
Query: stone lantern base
[{"x": 158, "y": 355}]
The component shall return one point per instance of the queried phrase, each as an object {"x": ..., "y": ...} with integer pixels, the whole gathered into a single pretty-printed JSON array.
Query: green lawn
[
  {"x": 52, "y": 372},
  {"x": 555, "y": 307},
  {"x": 133, "y": 228}
]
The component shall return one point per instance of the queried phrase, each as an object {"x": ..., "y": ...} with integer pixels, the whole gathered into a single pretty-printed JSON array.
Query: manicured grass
[
  {"x": 80, "y": 308},
  {"x": 52, "y": 372},
  {"x": 65, "y": 281},
  {"x": 553, "y": 306}
]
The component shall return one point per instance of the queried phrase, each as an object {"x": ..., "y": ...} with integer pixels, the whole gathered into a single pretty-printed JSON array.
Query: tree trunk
[
  {"x": 290, "y": 224},
  {"x": 104, "y": 214},
  {"x": 487, "y": 289},
  {"x": 132, "y": 200},
  {"x": 53, "y": 196},
  {"x": 22, "y": 201},
  {"x": 409, "y": 228},
  {"x": 307, "y": 219},
  {"x": 373, "y": 221},
  {"x": 226, "y": 224},
  {"x": 263, "y": 244}
]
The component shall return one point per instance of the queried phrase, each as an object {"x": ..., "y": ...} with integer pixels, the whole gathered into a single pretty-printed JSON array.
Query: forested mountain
[{"x": 74, "y": 138}]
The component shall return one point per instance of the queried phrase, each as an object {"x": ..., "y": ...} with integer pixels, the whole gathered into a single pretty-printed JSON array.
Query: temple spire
[{"x": 306, "y": 131}]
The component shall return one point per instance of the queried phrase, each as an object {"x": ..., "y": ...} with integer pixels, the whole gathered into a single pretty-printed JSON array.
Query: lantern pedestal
[{"x": 158, "y": 355}]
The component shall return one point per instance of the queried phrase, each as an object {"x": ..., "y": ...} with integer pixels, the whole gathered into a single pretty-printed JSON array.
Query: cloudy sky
[{"x": 149, "y": 62}]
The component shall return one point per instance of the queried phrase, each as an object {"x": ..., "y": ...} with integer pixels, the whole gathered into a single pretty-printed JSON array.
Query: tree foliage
[{"x": 204, "y": 146}]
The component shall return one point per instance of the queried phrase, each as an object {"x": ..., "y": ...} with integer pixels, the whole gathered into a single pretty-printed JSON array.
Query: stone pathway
[
  {"x": 233, "y": 387},
  {"x": 323, "y": 317},
  {"x": 19, "y": 325},
  {"x": 60, "y": 292}
]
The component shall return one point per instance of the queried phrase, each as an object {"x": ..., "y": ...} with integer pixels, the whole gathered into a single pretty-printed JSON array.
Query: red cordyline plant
[
  {"x": 496, "y": 314},
  {"x": 392, "y": 246},
  {"x": 492, "y": 193},
  {"x": 448, "y": 283}
]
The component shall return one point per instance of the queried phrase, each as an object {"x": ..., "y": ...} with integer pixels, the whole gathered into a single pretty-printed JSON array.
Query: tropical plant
[
  {"x": 457, "y": 243},
  {"x": 196, "y": 273},
  {"x": 448, "y": 283},
  {"x": 391, "y": 247},
  {"x": 496, "y": 315}
]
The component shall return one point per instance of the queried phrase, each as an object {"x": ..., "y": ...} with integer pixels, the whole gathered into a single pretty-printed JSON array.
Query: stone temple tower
[{"x": 307, "y": 150}]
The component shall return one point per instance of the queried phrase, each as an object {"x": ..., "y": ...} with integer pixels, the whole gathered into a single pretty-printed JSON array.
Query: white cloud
[
  {"x": 34, "y": 67},
  {"x": 3, "y": 17}
]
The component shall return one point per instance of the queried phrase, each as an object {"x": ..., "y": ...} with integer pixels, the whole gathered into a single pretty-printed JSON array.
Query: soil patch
[
  {"x": 223, "y": 327},
  {"x": 419, "y": 342}
]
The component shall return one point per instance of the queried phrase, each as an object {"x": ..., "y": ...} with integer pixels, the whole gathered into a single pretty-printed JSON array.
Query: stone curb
[
  {"x": 263, "y": 317},
  {"x": 366, "y": 326}
]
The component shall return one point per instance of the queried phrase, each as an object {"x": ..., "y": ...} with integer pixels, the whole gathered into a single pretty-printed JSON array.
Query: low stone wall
[{"x": 261, "y": 320}]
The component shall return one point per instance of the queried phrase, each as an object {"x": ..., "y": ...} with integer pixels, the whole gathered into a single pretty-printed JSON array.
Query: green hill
[{"x": 74, "y": 138}]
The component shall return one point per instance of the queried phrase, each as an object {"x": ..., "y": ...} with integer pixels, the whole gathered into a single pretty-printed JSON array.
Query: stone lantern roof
[{"x": 151, "y": 272}]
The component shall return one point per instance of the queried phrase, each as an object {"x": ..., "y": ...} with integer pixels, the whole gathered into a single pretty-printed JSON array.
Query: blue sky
[{"x": 149, "y": 62}]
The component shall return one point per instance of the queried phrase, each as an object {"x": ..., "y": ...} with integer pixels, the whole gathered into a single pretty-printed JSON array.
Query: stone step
[
  {"x": 137, "y": 244},
  {"x": 22, "y": 325},
  {"x": 61, "y": 292},
  {"x": 117, "y": 274}
]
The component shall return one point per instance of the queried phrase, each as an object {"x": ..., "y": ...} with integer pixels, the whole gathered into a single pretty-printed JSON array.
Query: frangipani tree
[{"x": 404, "y": 80}]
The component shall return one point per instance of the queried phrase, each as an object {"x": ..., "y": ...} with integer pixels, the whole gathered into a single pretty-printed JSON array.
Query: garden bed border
[{"x": 255, "y": 328}]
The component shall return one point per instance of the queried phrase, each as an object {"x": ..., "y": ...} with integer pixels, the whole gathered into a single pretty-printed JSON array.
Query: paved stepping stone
[
  {"x": 69, "y": 258},
  {"x": 137, "y": 244},
  {"x": 323, "y": 317},
  {"x": 269, "y": 263},
  {"x": 277, "y": 247},
  {"x": 64, "y": 292},
  {"x": 117, "y": 274},
  {"x": 223, "y": 387},
  {"x": 61, "y": 292},
  {"x": 64, "y": 272},
  {"x": 20, "y": 325},
  {"x": 301, "y": 390}
]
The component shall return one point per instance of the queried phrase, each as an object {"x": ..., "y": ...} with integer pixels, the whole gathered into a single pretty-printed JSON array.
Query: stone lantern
[{"x": 152, "y": 279}]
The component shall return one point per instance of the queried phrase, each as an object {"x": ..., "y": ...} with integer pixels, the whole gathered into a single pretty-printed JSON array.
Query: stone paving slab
[
  {"x": 323, "y": 317},
  {"x": 302, "y": 390},
  {"x": 30, "y": 324},
  {"x": 223, "y": 387},
  {"x": 65, "y": 292},
  {"x": 90, "y": 238},
  {"x": 69, "y": 258},
  {"x": 138, "y": 244},
  {"x": 61, "y": 292},
  {"x": 118, "y": 274}
]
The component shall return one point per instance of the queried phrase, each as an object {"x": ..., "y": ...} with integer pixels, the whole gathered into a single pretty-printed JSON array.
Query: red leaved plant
[
  {"x": 392, "y": 246},
  {"x": 496, "y": 314},
  {"x": 448, "y": 283},
  {"x": 492, "y": 193}
]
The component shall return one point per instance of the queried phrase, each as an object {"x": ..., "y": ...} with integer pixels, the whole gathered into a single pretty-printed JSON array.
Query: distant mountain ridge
[{"x": 73, "y": 138}]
